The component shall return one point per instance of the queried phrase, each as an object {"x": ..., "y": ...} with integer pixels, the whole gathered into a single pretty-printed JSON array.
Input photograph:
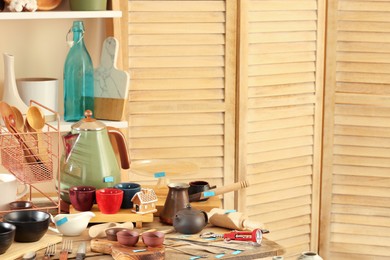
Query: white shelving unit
[
  {"x": 66, "y": 126},
  {"x": 63, "y": 12},
  {"x": 59, "y": 15}
]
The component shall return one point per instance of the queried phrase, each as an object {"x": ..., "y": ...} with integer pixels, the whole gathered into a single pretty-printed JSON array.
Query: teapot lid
[
  {"x": 88, "y": 123},
  {"x": 188, "y": 210}
]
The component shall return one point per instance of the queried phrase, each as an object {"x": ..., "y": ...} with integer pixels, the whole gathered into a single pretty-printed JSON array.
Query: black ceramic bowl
[
  {"x": 21, "y": 204},
  {"x": 7, "y": 235},
  {"x": 31, "y": 225}
]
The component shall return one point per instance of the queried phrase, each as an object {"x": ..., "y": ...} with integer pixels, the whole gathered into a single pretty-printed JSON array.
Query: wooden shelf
[
  {"x": 58, "y": 15},
  {"x": 123, "y": 215},
  {"x": 66, "y": 126}
]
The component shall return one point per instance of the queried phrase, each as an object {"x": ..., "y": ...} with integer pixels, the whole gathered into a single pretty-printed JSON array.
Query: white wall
[{"x": 40, "y": 48}]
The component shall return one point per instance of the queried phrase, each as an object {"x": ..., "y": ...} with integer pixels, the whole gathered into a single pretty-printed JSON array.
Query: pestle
[{"x": 232, "y": 220}]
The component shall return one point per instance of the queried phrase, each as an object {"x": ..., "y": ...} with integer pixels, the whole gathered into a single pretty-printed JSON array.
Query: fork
[
  {"x": 50, "y": 251},
  {"x": 66, "y": 249}
]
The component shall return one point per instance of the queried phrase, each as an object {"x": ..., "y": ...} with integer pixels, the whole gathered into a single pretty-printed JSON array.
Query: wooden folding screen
[
  {"x": 280, "y": 117},
  {"x": 181, "y": 59},
  {"x": 355, "y": 222}
]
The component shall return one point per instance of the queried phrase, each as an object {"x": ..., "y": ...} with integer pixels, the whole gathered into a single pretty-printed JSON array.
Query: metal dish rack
[{"x": 32, "y": 163}]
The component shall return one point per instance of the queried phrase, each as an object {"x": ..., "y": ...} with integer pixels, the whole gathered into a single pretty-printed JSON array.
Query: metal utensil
[
  {"x": 186, "y": 252},
  {"x": 50, "y": 251},
  {"x": 195, "y": 246},
  {"x": 80, "y": 255},
  {"x": 29, "y": 255},
  {"x": 66, "y": 249}
]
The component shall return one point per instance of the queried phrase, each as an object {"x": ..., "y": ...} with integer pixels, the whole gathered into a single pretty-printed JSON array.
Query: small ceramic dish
[
  {"x": 111, "y": 233},
  {"x": 127, "y": 237},
  {"x": 21, "y": 204},
  {"x": 153, "y": 239}
]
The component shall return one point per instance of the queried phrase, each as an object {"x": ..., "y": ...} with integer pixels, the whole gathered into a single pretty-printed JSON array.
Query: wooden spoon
[
  {"x": 10, "y": 123},
  {"x": 19, "y": 121},
  {"x": 36, "y": 120}
]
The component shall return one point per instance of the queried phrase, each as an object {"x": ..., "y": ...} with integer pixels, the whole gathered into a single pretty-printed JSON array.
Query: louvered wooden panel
[
  {"x": 355, "y": 210},
  {"x": 280, "y": 117},
  {"x": 182, "y": 63}
]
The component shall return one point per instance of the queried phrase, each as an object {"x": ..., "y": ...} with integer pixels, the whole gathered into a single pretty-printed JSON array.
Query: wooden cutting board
[
  {"x": 119, "y": 252},
  {"x": 17, "y": 249},
  {"x": 110, "y": 84}
]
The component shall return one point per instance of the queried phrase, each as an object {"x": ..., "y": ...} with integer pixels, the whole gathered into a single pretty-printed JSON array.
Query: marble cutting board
[{"x": 111, "y": 84}]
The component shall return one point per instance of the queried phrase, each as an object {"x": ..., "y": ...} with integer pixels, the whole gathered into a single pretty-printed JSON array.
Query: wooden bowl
[{"x": 46, "y": 5}]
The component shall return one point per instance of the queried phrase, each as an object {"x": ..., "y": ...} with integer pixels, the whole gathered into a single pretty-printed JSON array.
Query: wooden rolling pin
[
  {"x": 232, "y": 220},
  {"x": 218, "y": 191}
]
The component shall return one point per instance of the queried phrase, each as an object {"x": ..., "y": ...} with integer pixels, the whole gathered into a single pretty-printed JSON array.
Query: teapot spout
[{"x": 69, "y": 141}]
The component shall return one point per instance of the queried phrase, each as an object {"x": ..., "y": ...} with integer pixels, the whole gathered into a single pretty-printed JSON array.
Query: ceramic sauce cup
[
  {"x": 82, "y": 198},
  {"x": 153, "y": 238},
  {"x": 129, "y": 189},
  {"x": 9, "y": 190},
  {"x": 128, "y": 237},
  {"x": 109, "y": 200}
]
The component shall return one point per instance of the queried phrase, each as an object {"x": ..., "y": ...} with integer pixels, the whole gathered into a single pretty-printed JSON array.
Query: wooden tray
[{"x": 123, "y": 215}]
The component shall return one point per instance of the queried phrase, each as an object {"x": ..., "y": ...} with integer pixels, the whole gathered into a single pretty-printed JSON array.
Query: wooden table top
[{"x": 237, "y": 250}]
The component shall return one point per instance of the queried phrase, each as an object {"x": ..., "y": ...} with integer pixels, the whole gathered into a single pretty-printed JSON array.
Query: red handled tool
[{"x": 255, "y": 236}]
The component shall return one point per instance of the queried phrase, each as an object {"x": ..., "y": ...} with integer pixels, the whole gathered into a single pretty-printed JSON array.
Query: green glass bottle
[{"x": 78, "y": 77}]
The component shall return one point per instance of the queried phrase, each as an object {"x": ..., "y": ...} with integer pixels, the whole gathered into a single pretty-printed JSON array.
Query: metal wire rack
[{"x": 33, "y": 157}]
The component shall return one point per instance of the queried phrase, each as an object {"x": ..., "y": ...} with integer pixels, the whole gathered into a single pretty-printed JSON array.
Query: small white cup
[
  {"x": 9, "y": 190},
  {"x": 41, "y": 90}
]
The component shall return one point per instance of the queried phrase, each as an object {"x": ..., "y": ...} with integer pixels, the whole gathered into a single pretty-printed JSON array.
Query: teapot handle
[
  {"x": 118, "y": 143},
  {"x": 206, "y": 217}
]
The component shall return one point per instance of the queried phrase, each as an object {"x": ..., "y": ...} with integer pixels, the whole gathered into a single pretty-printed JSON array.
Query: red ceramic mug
[
  {"x": 109, "y": 200},
  {"x": 82, "y": 198}
]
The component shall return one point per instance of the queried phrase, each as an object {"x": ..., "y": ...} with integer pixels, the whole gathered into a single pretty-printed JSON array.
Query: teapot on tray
[{"x": 94, "y": 155}]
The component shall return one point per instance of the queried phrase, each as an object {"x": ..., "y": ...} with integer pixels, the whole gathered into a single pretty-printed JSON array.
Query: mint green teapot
[{"x": 94, "y": 155}]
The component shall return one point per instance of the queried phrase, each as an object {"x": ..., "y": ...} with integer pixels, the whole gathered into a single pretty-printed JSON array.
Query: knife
[{"x": 80, "y": 255}]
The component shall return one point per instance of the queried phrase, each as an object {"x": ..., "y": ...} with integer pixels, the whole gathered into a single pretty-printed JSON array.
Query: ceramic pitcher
[
  {"x": 177, "y": 199},
  {"x": 90, "y": 156}
]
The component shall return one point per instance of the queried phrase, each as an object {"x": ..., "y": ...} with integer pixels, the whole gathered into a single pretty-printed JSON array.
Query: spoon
[
  {"x": 36, "y": 120},
  {"x": 10, "y": 123},
  {"x": 19, "y": 121}
]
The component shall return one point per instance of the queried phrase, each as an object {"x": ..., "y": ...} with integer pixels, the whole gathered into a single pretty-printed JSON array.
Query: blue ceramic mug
[{"x": 129, "y": 189}]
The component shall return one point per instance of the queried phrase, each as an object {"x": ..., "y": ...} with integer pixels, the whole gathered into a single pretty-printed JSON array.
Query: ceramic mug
[
  {"x": 109, "y": 200},
  {"x": 82, "y": 198},
  {"x": 129, "y": 189},
  {"x": 198, "y": 186},
  {"x": 9, "y": 190}
]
